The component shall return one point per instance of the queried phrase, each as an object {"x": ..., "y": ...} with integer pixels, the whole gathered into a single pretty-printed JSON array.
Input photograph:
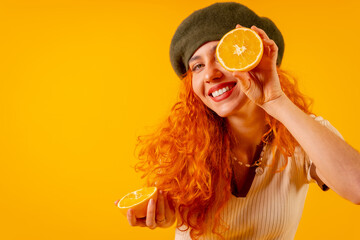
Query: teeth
[{"x": 220, "y": 91}]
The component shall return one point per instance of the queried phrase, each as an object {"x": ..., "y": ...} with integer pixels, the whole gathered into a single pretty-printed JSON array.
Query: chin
[
  {"x": 224, "y": 113},
  {"x": 230, "y": 109}
]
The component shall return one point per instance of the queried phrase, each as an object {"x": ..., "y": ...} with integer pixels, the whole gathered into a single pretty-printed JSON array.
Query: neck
[{"x": 248, "y": 127}]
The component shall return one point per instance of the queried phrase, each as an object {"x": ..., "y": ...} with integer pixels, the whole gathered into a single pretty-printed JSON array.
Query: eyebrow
[{"x": 193, "y": 58}]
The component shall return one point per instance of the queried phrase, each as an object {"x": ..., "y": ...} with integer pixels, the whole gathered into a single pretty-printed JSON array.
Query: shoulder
[
  {"x": 308, "y": 166},
  {"x": 327, "y": 124}
]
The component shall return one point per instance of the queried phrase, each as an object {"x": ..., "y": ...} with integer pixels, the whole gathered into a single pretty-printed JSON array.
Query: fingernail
[
  {"x": 161, "y": 192},
  {"x": 116, "y": 202}
]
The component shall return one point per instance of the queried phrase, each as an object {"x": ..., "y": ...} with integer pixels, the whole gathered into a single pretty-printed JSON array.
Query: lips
[
  {"x": 221, "y": 91},
  {"x": 221, "y": 86}
]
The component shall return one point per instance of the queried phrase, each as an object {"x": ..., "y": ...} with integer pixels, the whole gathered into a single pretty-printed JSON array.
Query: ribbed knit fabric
[{"x": 274, "y": 204}]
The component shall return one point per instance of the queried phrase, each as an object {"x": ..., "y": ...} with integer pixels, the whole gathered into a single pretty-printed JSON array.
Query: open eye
[{"x": 197, "y": 67}]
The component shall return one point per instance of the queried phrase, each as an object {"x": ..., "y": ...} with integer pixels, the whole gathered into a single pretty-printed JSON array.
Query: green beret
[{"x": 210, "y": 24}]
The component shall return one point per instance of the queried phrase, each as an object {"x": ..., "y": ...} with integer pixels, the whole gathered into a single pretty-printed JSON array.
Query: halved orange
[
  {"x": 241, "y": 49},
  {"x": 138, "y": 201}
]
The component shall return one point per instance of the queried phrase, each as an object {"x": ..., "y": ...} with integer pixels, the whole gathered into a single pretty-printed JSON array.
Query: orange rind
[{"x": 137, "y": 201}]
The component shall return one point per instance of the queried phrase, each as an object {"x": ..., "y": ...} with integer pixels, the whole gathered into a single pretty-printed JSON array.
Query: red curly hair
[{"x": 188, "y": 156}]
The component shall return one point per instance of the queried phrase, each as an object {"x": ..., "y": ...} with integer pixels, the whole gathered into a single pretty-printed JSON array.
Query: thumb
[{"x": 244, "y": 80}]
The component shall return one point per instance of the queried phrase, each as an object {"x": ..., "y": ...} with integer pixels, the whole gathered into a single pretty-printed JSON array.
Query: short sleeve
[{"x": 309, "y": 168}]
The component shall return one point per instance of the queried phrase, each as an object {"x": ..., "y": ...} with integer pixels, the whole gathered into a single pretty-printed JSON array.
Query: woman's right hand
[{"x": 159, "y": 214}]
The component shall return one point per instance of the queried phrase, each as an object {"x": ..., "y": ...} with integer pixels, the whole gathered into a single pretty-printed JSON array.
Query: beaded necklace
[{"x": 257, "y": 163}]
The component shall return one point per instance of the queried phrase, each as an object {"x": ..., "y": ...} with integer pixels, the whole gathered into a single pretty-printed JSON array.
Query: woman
[{"x": 237, "y": 166}]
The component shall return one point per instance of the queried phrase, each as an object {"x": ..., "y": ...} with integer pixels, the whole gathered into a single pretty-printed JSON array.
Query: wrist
[{"x": 276, "y": 106}]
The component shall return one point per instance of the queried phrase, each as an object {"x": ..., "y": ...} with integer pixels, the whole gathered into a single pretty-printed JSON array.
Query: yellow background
[{"x": 81, "y": 79}]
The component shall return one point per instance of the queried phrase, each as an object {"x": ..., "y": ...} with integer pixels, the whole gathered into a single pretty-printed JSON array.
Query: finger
[
  {"x": 261, "y": 32},
  {"x": 150, "y": 216},
  {"x": 272, "y": 48},
  {"x": 160, "y": 208},
  {"x": 141, "y": 222},
  {"x": 130, "y": 218},
  {"x": 271, "y": 44},
  {"x": 169, "y": 211},
  {"x": 133, "y": 221},
  {"x": 238, "y": 26}
]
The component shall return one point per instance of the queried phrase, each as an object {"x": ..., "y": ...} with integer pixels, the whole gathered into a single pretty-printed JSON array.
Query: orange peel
[{"x": 137, "y": 201}]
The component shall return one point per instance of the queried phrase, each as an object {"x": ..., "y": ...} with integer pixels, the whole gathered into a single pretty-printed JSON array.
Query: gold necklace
[
  {"x": 259, "y": 169},
  {"x": 257, "y": 163}
]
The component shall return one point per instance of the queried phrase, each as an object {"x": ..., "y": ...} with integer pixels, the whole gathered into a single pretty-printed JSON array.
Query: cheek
[{"x": 198, "y": 88}]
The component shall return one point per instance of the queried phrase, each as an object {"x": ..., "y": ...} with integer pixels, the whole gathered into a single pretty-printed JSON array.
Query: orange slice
[
  {"x": 240, "y": 49},
  {"x": 138, "y": 201}
]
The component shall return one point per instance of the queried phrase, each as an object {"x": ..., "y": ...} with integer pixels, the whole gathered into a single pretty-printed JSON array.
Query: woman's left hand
[{"x": 262, "y": 83}]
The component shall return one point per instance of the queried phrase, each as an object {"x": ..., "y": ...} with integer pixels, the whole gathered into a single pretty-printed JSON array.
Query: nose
[{"x": 213, "y": 72}]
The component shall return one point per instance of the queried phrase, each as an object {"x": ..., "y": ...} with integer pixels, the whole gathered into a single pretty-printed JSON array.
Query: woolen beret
[{"x": 210, "y": 24}]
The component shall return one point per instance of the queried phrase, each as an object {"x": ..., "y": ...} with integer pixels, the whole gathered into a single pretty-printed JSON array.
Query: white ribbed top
[{"x": 273, "y": 206}]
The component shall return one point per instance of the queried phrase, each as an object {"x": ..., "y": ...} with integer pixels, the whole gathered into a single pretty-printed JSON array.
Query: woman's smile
[
  {"x": 217, "y": 88},
  {"x": 221, "y": 91}
]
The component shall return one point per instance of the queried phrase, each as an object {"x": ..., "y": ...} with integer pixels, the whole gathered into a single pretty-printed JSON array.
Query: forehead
[{"x": 206, "y": 48}]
